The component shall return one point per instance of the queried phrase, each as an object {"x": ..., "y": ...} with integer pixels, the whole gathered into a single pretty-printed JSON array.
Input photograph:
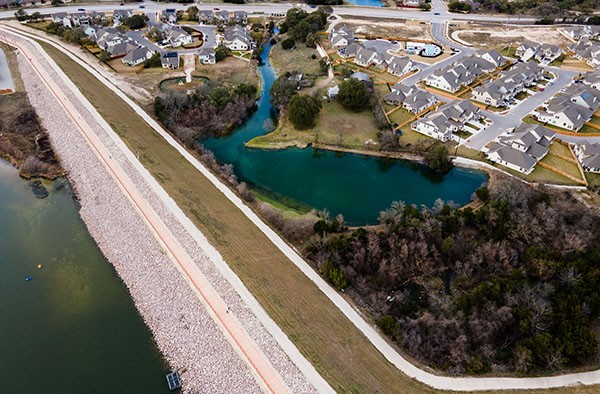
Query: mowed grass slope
[{"x": 342, "y": 355}]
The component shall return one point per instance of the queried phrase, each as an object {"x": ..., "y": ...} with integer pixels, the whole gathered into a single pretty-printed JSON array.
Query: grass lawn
[
  {"x": 559, "y": 149},
  {"x": 593, "y": 179},
  {"x": 509, "y": 51},
  {"x": 411, "y": 137},
  {"x": 230, "y": 71},
  {"x": 522, "y": 95},
  {"x": 400, "y": 116},
  {"x": 335, "y": 126},
  {"x": 322, "y": 334},
  {"x": 297, "y": 59},
  {"x": 564, "y": 165}
]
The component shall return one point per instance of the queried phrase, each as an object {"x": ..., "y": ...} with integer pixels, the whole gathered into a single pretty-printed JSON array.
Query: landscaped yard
[
  {"x": 297, "y": 59},
  {"x": 335, "y": 126},
  {"x": 400, "y": 116},
  {"x": 561, "y": 164}
]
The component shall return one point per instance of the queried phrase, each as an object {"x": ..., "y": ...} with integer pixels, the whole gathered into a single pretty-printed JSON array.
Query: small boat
[{"x": 29, "y": 278}]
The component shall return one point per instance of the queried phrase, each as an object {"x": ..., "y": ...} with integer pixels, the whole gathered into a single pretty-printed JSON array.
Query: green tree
[
  {"x": 104, "y": 56},
  {"x": 154, "y": 61},
  {"x": 282, "y": 92},
  {"x": 302, "y": 30},
  {"x": 74, "y": 35},
  {"x": 193, "y": 13},
  {"x": 353, "y": 95},
  {"x": 135, "y": 21},
  {"x": 425, "y": 6},
  {"x": 437, "y": 158},
  {"x": 303, "y": 111},
  {"x": 221, "y": 53},
  {"x": 155, "y": 34},
  {"x": 288, "y": 43}
]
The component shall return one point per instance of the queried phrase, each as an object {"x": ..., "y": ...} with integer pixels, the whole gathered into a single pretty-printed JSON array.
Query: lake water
[
  {"x": 73, "y": 327},
  {"x": 368, "y": 3},
  {"x": 357, "y": 186}
]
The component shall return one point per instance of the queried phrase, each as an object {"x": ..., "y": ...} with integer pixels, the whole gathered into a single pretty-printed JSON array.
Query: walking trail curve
[
  {"x": 435, "y": 381},
  {"x": 264, "y": 372}
]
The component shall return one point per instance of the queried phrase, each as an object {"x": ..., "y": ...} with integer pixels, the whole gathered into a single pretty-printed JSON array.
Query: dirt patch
[
  {"x": 409, "y": 29},
  {"x": 499, "y": 35}
]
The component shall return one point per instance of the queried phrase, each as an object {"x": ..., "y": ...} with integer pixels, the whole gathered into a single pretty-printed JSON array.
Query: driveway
[{"x": 6, "y": 81}]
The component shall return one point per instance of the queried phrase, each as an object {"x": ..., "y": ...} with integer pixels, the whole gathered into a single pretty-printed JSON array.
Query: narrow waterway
[
  {"x": 357, "y": 186},
  {"x": 72, "y": 328}
]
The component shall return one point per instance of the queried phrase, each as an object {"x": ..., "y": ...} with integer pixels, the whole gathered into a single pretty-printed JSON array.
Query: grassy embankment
[{"x": 335, "y": 347}]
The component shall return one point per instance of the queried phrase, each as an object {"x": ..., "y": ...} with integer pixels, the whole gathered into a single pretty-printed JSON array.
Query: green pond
[
  {"x": 73, "y": 327},
  {"x": 357, "y": 186}
]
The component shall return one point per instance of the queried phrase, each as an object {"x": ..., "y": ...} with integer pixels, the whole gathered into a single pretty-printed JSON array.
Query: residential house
[
  {"x": 412, "y": 99},
  {"x": 579, "y": 32},
  {"x": 411, "y": 3},
  {"x": 492, "y": 56},
  {"x": 121, "y": 48},
  {"x": 360, "y": 76},
  {"x": 400, "y": 66},
  {"x": 586, "y": 50},
  {"x": 548, "y": 53},
  {"x": 592, "y": 79},
  {"x": 80, "y": 19},
  {"x": 240, "y": 17},
  {"x": 237, "y": 38},
  {"x": 206, "y": 55},
  {"x": 364, "y": 57},
  {"x": 205, "y": 16},
  {"x": 500, "y": 92},
  {"x": 170, "y": 60},
  {"x": 96, "y": 17},
  {"x": 527, "y": 50},
  {"x": 169, "y": 15},
  {"x": 62, "y": 18},
  {"x": 177, "y": 37},
  {"x": 349, "y": 51},
  {"x": 447, "y": 120},
  {"x": 120, "y": 14},
  {"x": 572, "y": 108},
  {"x": 221, "y": 16},
  {"x": 522, "y": 148},
  {"x": 464, "y": 72},
  {"x": 588, "y": 155},
  {"x": 137, "y": 56}
]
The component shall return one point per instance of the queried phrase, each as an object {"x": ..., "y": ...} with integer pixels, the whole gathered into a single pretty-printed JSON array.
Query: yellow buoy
[{"x": 39, "y": 266}]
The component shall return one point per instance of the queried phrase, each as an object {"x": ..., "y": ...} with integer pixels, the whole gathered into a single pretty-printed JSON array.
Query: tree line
[{"x": 510, "y": 286}]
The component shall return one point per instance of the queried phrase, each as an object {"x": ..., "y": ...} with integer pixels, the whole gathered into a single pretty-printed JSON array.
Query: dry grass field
[{"x": 335, "y": 347}]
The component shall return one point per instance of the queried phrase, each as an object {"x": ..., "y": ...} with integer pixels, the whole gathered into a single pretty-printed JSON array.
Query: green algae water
[
  {"x": 73, "y": 327},
  {"x": 357, "y": 186}
]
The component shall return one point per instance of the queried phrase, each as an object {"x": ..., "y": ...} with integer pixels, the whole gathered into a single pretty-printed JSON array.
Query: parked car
[
  {"x": 436, "y": 13},
  {"x": 81, "y": 9},
  {"x": 142, "y": 6}
]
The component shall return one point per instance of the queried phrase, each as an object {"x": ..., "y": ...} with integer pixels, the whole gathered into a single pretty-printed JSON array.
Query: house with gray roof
[
  {"x": 364, "y": 57},
  {"x": 461, "y": 73},
  {"x": 80, "y": 19},
  {"x": 62, "y": 18},
  {"x": 240, "y": 17},
  {"x": 400, "y": 66},
  {"x": 169, "y": 60},
  {"x": 121, "y": 48},
  {"x": 527, "y": 50},
  {"x": 175, "y": 36},
  {"x": 237, "y": 38},
  {"x": 447, "y": 120},
  {"x": 588, "y": 155},
  {"x": 521, "y": 148},
  {"x": 349, "y": 51},
  {"x": 586, "y": 50},
  {"x": 500, "y": 92},
  {"x": 168, "y": 15},
  {"x": 411, "y": 98},
  {"x": 120, "y": 14},
  {"x": 492, "y": 56},
  {"x": 572, "y": 108},
  {"x": 206, "y": 55},
  {"x": 137, "y": 56}
]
